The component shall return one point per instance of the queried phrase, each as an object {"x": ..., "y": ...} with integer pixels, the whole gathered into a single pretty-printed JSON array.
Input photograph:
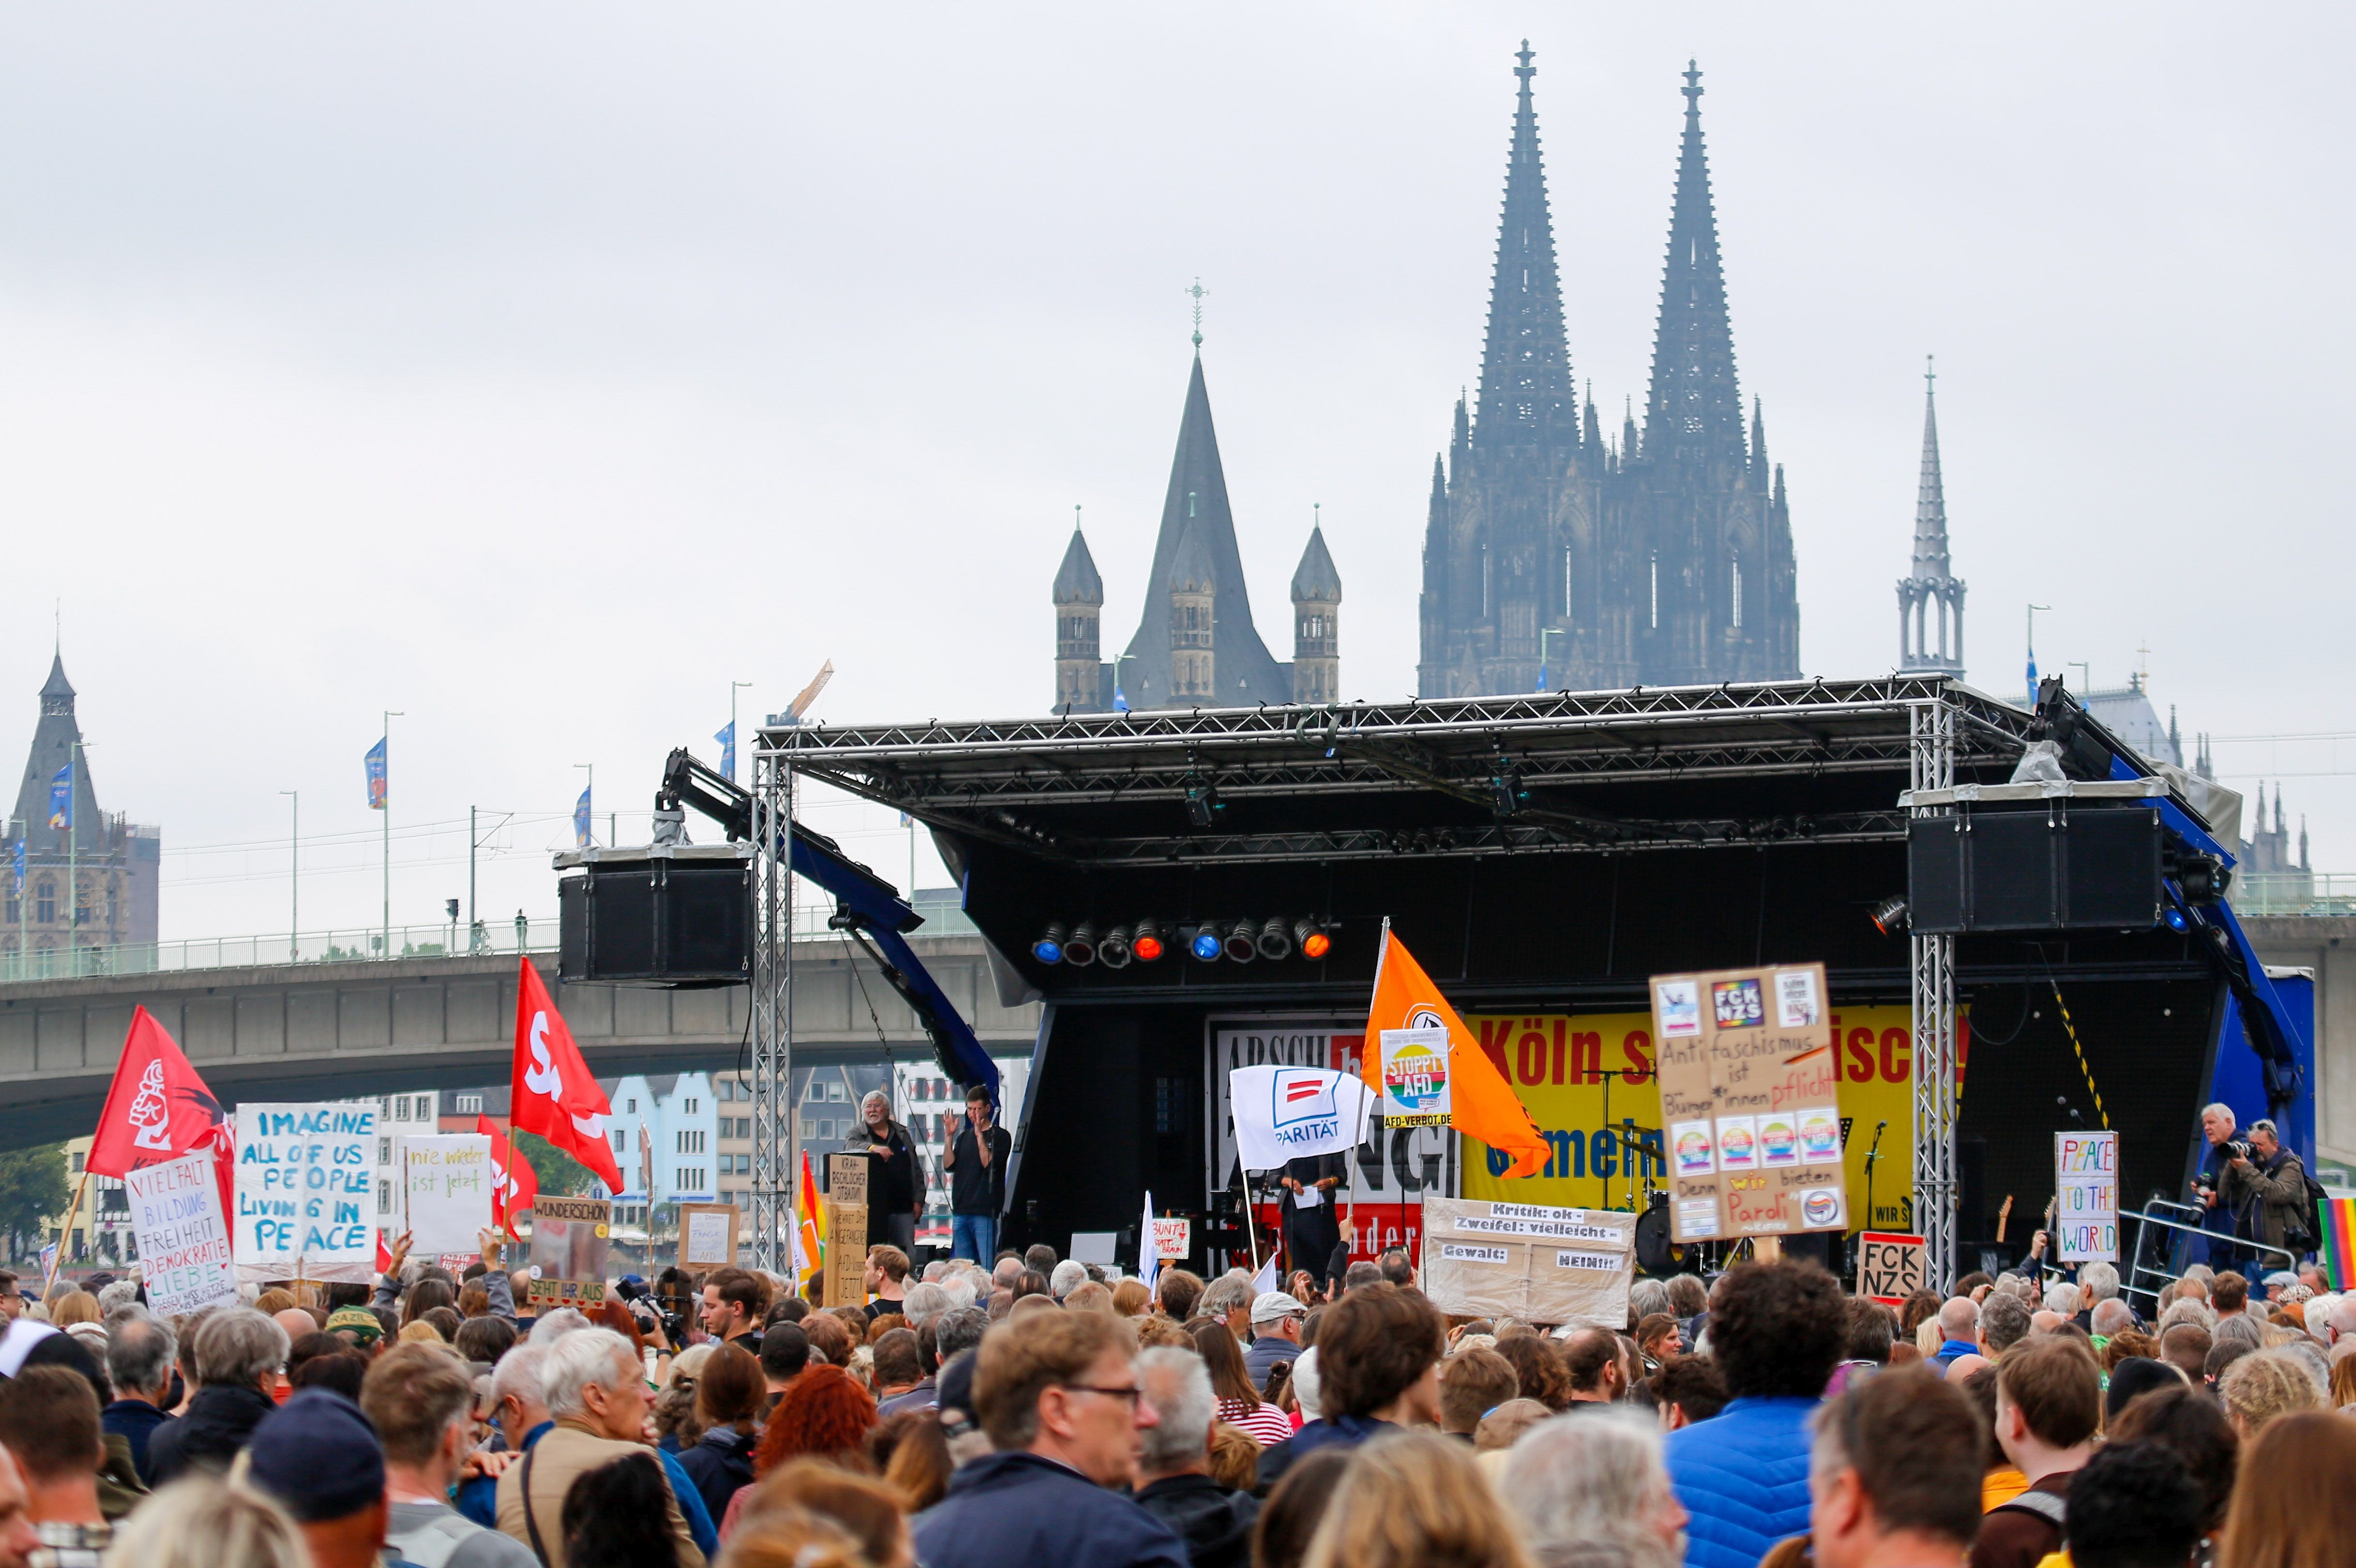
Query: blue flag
[
  {"x": 2032, "y": 680},
  {"x": 1119, "y": 698},
  {"x": 727, "y": 738},
  {"x": 1542, "y": 684},
  {"x": 61, "y": 794},
  {"x": 581, "y": 822},
  {"x": 18, "y": 855},
  {"x": 376, "y": 779}
]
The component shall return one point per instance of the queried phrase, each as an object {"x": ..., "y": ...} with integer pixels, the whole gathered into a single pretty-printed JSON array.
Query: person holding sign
[{"x": 1306, "y": 1186}]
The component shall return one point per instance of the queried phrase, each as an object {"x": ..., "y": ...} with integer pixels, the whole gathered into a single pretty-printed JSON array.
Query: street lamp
[{"x": 294, "y": 877}]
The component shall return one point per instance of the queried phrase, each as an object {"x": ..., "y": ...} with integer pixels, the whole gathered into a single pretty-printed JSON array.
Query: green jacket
[{"x": 2266, "y": 1205}]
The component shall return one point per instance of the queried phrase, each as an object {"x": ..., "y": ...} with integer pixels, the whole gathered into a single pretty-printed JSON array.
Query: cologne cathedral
[{"x": 1555, "y": 558}]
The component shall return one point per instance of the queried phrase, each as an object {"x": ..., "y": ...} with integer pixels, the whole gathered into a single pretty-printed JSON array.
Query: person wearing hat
[
  {"x": 366, "y": 1333},
  {"x": 318, "y": 1457},
  {"x": 1276, "y": 1323}
]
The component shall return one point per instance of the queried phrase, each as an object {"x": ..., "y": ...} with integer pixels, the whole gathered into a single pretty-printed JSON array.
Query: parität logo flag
[
  {"x": 552, "y": 1095},
  {"x": 158, "y": 1108},
  {"x": 1485, "y": 1105},
  {"x": 513, "y": 1183}
]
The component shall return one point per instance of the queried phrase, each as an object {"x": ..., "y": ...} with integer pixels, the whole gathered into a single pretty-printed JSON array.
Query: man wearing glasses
[{"x": 1061, "y": 1404}]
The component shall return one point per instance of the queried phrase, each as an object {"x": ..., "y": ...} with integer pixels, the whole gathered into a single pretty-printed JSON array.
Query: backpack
[
  {"x": 2053, "y": 1510},
  {"x": 431, "y": 1544},
  {"x": 2298, "y": 1235}
]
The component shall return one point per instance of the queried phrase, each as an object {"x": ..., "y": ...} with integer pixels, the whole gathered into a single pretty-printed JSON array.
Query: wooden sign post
[{"x": 846, "y": 1230}]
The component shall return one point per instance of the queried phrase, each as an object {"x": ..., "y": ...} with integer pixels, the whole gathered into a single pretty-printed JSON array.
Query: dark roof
[
  {"x": 1076, "y": 582},
  {"x": 1192, "y": 571},
  {"x": 1314, "y": 577},
  {"x": 57, "y": 687},
  {"x": 53, "y": 742}
]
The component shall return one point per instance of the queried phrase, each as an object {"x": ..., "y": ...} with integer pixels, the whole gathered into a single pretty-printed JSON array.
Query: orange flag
[{"x": 1485, "y": 1105}]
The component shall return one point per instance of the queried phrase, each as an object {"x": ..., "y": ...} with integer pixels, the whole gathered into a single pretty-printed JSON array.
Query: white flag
[
  {"x": 1265, "y": 1281},
  {"x": 1286, "y": 1113},
  {"x": 1149, "y": 1256}
]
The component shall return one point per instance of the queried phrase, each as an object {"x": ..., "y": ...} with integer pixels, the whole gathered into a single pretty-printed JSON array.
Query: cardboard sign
[
  {"x": 306, "y": 1191},
  {"x": 1530, "y": 1261},
  {"x": 1890, "y": 1267},
  {"x": 570, "y": 1239},
  {"x": 1172, "y": 1239},
  {"x": 707, "y": 1235},
  {"x": 1749, "y": 1095},
  {"x": 182, "y": 1235},
  {"x": 1416, "y": 1091},
  {"x": 2086, "y": 1190},
  {"x": 446, "y": 1192},
  {"x": 846, "y": 1230}
]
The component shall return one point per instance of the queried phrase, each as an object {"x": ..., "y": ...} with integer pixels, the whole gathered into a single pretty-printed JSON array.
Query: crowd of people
[{"x": 1041, "y": 1411}]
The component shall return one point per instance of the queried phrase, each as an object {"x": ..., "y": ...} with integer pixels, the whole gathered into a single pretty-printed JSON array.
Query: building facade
[
  {"x": 1555, "y": 558},
  {"x": 89, "y": 889}
]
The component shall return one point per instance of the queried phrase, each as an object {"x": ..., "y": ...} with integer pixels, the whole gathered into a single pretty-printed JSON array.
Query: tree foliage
[
  {"x": 560, "y": 1174},
  {"x": 34, "y": 1189}
]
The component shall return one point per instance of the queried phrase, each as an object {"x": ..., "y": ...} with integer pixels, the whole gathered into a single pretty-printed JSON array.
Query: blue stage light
[
  {"x": 1049, "y": 948},
  {"x": 1206, "y": 945},
  {"x": 2175, "y": 918}
]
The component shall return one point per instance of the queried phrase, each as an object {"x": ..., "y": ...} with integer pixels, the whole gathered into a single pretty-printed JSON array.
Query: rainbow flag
[
  {"x": 809, "y": 1231},
  {"x": 2336, "y": 1223}
]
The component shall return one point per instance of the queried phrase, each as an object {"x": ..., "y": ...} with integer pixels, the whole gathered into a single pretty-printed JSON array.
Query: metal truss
[
  {"x": 1389, "y": 843},
  {"x": 1931, "y": 745},
  {"x": 772, "y": 1026}
]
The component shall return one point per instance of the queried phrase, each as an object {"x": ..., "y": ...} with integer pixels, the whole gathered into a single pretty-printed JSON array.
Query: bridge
[{"x": 352, "y": 1027}]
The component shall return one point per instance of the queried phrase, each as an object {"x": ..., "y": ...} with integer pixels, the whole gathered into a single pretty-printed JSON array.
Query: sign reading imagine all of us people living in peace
[
  {"x": 306, "y": 1191},
  {"x": 1530, "y": 1261},
  {"x": 182, "y": 1235},
  {"x": 2087, "y": 1193},
  {"x": 1750, "y": 1099}
]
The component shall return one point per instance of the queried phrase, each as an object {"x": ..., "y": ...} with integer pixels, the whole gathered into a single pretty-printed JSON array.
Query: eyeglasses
[{"x": 1132, "y": 1393}]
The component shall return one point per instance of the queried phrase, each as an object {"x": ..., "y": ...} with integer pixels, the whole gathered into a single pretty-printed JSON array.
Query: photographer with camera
[
  {"x": 2265, "y": 1187},
  {"x": 2218, "y": 1124}
]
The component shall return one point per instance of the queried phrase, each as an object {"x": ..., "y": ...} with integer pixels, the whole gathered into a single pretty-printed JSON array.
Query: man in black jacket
[
  {"x": 976, "y": 1160},
  {"x": 1173, "y": 1464},
  {"x": 895, "y": 1177},
  {"x": 237, "y": 1353},
  {"x": 1307, "y": 1188}
]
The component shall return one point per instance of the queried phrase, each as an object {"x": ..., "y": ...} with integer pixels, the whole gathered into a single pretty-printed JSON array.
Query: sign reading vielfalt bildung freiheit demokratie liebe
[{"x": 185, "y": 1258}]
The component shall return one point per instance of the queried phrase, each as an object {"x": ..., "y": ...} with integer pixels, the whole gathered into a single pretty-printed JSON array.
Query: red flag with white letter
[
  {"x": 552, "y": 1094},
  {"x": 158, "y": 1109},
  {"x": 513, "y": 1185}
]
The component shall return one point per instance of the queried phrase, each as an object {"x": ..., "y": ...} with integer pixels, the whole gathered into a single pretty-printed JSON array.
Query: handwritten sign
[
  {"x": 2086, "y": 1190},
  {"x": 182, "y": 1235},
  {"x": 1749, "y": 1093},
  {"x": 306, "y": 1191},
  {"x": 1531, "y": 1261},
  {"x": 846, "y": 1230},
  {"x": 707, "y": 1235},
  {"x": 570, "y": 1238},
  {"x": 1172, "y": 1239},
  {"x": 446, "y": 1191},
  {"x": 1891, "y": 1267}
]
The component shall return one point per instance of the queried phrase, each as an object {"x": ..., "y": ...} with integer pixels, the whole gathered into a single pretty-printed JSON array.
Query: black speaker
[
  {"x": 677, "y": 915},
  {"x": 1972, "y": 1225},
  {"x": 2051, "y": 866}
]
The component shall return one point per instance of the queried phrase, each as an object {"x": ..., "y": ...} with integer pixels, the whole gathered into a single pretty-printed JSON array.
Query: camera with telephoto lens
[{"x": 2239, "y": 1148}]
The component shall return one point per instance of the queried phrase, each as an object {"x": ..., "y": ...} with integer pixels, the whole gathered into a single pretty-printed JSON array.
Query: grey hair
[
  {"x": 1008, "y": 1274},
  {"x": 239, "y": 1347},
  {"x": 2061, "y": 1297},
  {"x": 2199, "y": 1313},
  {"x": 2219, "y": 1108},
  {"x": 1958, "y": 1316},
  {"x": 139, "y": 1350},
  {"x": 1645, "y": 1297},
  {"x": 2111, "y": 1315},
  {"x": 579, "y": 1360},
  {"x": 2004, "y": 1321},
  {"x": 925, "y": 1303},
  {"x": 1575, "y": 1479},
  {"x": 2240, "y": 1327},
  {"x": 960, "y": 1329},
  {"x": 958, "y": 1290},
  {"x": 1069, "y": 1275},
  {"x": 554, "y": 1326},
  {"x": 1184, "y": 1404},
  {"x": 518, "y": 1373},
  {"x": 2266, "y": 1125},
  {"x": 205, "y": 1520},
  {"x": 2100, "y": 1279},
  {"x": 1222, "y": 1295},
  {"x": 122, "y": 1293}
]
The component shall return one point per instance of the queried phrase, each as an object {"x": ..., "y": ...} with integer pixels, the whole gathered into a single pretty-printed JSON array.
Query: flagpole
[
  {"x": 65, "y": 1231},
  {"x": 385, "y": 949},
  {"x": 73, "y": 867}
]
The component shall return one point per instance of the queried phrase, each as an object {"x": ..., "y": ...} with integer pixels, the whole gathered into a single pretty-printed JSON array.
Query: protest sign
[
  {"x": 181, "y": 1233},
  {"x": 1416, "y": 1090},
  {"x": 1172, "y": 1239},
  {"x": 1530, "y": 1261},
  {"x": 707, "y": 1235},
  {"x": 1890, "y": 1267},
  {"x": 1749, "y": 1096},
  {"x": 570, "y": 1238},
  {"x": 846, "y": 1230},
  {"x": 2086, "y": 1190},
  {"x": 306, "y": 1191},
  {"x": 446, "y": 1191}
]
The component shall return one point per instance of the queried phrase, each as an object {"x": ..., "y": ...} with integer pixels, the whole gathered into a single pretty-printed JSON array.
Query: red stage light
[
  {"x": 1147, "y": 948},
  {"x": 1317, "y": 945}
]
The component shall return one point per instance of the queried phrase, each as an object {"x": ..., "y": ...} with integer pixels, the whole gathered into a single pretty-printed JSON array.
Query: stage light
[
  {"x": 2175, "y": 918},
  {"x": 1243, "y": 943},
  {"x": 1275, "y": 940},
  {"x": 1049, "y": 948},
  {"x": 1146, "y": 941},
  {"x": 1891, "y": 916},
  {"x": 1202, "y": 802},
  {"x": 1113, "y": 949},
  {"x": 2201, "y": 879},
  {"x": 1506, "y": 791},
  {"x": 1080, "y": 947},
  {"x": 1311, "y": 938},
  {"x": 1205, "y": 944}
]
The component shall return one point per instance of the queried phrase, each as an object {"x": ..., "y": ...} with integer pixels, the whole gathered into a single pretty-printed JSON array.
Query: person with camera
[
  {"x": 2265, "y": 1187},
  {"x": 2218, "y": 1130}
]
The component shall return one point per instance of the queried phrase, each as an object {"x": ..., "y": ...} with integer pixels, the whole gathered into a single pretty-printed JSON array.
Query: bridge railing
[{"x": 2292, "y": 892}]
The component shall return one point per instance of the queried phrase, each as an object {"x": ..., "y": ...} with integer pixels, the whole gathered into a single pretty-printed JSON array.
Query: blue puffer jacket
[{"x": 1743, "y": 1476}]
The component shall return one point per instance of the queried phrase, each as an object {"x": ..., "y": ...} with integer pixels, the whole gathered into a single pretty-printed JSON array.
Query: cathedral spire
[
  {"x": 1931, "y": 600},
  {"x": 1694, "y": 412},
  {"x": 1931, "y": 493},
  {"x": 1527, "y": 397}
]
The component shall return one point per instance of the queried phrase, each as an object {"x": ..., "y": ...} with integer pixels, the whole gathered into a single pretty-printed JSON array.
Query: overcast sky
[{"x": 538, "y": 369}]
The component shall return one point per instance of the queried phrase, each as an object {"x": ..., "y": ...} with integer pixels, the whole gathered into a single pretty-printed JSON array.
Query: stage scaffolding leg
[
  {"x": 1932, "y": 736},
  {"x": 772, "y": 1015}
]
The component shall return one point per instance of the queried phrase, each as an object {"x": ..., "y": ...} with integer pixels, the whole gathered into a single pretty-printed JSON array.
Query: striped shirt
[{"x": 1263, "y": 1424}]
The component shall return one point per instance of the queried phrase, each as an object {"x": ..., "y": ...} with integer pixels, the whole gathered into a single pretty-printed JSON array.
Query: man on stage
[{"x": 1312, "y": 1234}]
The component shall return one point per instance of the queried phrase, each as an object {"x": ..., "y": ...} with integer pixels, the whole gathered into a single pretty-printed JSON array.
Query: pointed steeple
[
  {"x": 1460, "y": 443},
  {"x": 1694, "y": 412},
  {"x": 1628, "y": 447},
  {"x": 1591, "y": 433},
  {"x": 1758, "y": 437},
  {"x": 1314, "y": 580},
  {"x": 1076, "y": 582},
  {"x": 1526, "y": 398},
  {"x": 1438, "y": 489},
  {"x": 1930, "y": 494},
  {"x": 57, "y": 692}
]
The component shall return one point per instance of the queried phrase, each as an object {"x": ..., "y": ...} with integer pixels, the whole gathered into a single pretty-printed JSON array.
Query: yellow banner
[{"x": 1587, "y": 1081}]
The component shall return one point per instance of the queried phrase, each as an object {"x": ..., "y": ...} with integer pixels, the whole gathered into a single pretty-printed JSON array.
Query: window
[
  {"x": 1657, "y": 590},
  {"x": 384, "y": 1197},
  {"x": 1737, "y": 592},
  {"x": 620, "y": 1140},
  {"x": 384, "y": 1107},
  {"x": 77, "y": 1165},
  {"x": 727, "y": 1089},
  {"x": 690, "y": 1178},
  {"x": 384, "y": 1151},
  {"x": 400, "y": 1109},
  {"x": 690, "y": 1107},
  {"x": 834, "y": 1091},
  {"x": 633, "y": 1107},
  {"x": 45, "y": 901},
  {"x": 691, "y": 1141},
  {"x": 468, "y": 1105}
]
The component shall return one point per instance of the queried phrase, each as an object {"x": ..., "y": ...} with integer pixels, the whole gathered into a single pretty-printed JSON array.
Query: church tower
[
  {"x": 1930, "y": 601},
  {"x": 1194, "y": 585},
  {"x": 1316, "y": 624},
  {"x": 91, "y": 879},
  {"x": 1079, "y": 607}
]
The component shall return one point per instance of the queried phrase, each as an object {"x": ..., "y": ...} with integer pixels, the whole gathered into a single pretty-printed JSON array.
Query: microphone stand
[{"x": 1872, "y": 1158}]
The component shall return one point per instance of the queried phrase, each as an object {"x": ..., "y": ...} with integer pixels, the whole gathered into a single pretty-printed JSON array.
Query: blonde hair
[
  {"x": 205, "y": 1521},
  {"x": 1414, "y": 1499},
  {"x": 74, "y": 1307},
  {"x": 421, "y": 1333},
  {"x": 2263, "y": 1385},
  {"x": 1130, "y": 1299},
  {"x": 788, "y": 1537}
]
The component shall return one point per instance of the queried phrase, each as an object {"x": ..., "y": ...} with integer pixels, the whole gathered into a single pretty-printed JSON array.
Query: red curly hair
[{"x": 825, "y": 1413}]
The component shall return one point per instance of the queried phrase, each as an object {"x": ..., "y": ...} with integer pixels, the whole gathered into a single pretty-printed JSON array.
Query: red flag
[
  {"x": 383, "y": 1253},
  {"x": 158, "y": 1108},
  {"x": 552, "y": 1095},
  {"x": 513, "y": 1185}
]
